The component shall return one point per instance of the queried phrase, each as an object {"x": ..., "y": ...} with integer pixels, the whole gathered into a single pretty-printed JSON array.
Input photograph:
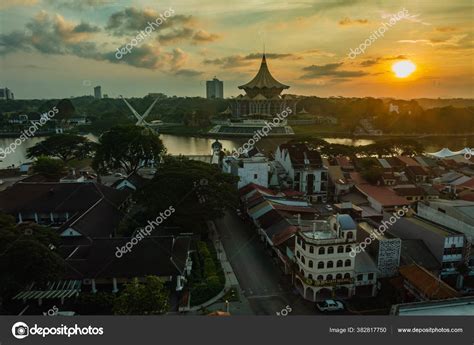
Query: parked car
[
  {"x": 330, "y": 305},
  {"x": 329, "y": 207}
]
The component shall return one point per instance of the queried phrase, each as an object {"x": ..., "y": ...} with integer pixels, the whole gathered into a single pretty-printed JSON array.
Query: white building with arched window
[{"x": 324, "y": 269}]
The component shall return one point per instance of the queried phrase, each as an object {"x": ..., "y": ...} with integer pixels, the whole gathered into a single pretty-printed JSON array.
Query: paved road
[{"x": 259, "y": 276}]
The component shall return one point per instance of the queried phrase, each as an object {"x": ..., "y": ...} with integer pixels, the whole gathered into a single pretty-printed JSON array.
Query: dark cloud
[
  {"x": 86, "y": 27},
  {"x": 246, "y": 60},
  {"x": 131, "y": 19},
  {"x": 375, "y": 61},
  {"x": 330, "y": 70}
]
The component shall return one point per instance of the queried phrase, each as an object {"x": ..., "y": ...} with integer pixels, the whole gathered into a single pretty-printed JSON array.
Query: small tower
[{"x": 216, "y": 147}]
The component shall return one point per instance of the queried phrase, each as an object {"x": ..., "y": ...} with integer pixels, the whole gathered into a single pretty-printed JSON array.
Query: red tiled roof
[
  {"x": 383, "y": 195},
  {"x": 252, "y": 186},
  {"x": 291, "y": 192},
  {"x": 426, "y": 283},
  {"x": 468, "y": 184},
  {"x": 416, "y": 170},
  {"x": 408, "y": 161}
]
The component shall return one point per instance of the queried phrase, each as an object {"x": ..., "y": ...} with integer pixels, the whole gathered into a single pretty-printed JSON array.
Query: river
[{"x": 176, "y": 145}]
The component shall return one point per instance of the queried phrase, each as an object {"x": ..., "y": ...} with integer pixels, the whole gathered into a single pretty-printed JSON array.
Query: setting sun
[{"x": 404, "y": 68}]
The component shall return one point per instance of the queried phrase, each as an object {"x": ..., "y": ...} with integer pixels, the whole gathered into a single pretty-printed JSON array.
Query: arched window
[
  {"x": 349, "y": 235},
  {"x": 298, "y": 254},
  {"x": 339, "y": 276},
  {"x": 348, "y": 249},
  {"x": 310, "y": 263},
  {"x": 304, "y": 246},
  {"x": 302, "y": 259},
  {"x": 320, "y": 264},
  {"x": 330, "y": 264},
  {"x": 320, "y": 277},
  {"x": 310, "y": 276},
  {"x": 311, "y": 249},
  {"x": 347, "y": 275},
  {"x": 329, "y": 277},
  {"x": 330, "y": 250},
  {"x": 339, "y": 263},
  {"x": 321, "y": 251},
  {"x": 340, "y": 249},
  {"x": 347, "y": 263}
]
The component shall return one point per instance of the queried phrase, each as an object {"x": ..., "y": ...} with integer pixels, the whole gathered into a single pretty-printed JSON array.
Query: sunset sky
[{"x": 62, "y": 48}]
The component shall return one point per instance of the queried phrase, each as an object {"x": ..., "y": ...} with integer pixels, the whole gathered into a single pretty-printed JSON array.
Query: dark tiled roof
[
  {"x": 161, "y": 256},
  {"x": 56, "y": 197},
  {"x": 301, "y": 156}
]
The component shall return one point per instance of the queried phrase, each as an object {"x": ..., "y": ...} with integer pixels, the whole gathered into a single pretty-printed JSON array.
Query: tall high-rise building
[
  {"x": 97, "y": 92},
  {"x": 6, "y": 94},
  {"x": 214, "y": 88}
]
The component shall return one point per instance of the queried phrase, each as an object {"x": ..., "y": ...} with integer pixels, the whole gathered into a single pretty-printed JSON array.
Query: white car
[
  {"x": 330, "y": 305},
  {"x": 329, "y": 207}
]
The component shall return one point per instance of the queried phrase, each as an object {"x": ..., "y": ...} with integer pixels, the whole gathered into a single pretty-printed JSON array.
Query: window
[
  {"x": 310, "y": 276},
  {"x": 348, "y": 249},
  {"x": 330, "y": 250},
  {"x": 304, "y": 246},
  {"x": 320, "y": 277},
  {"x": 302, "y": 259},
  {"x": 339, "y": 263},
  {"x": 347, "y": 263},
  {"x": 330, "y": 264},
  {"x": 310, "y": 263},
  {"x": 349, "y": 235},
  {"x": 371, "y": 276},
  {"x": 298, "y": 254},
  {"x": 255, "y": 176},
  {"x": 311, "y": 249},
  {"x": 339, "y": 276},
  {"x": 329, "y": 277},
  {"x": 321, "y": 251},
  {"x": 340, "y": 249},
  {"x": 360, "y": 277},
  {"x": 347, "y": 276},
  {"x": 320, "y": 264}
]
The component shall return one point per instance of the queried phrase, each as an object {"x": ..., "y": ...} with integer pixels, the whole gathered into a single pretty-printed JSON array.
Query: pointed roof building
[{"x": 263, "y": 83}]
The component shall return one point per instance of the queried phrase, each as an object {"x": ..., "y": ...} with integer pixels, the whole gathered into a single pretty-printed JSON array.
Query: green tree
[
  {"x": 198, "y": 191},
  {"x": 148, "y": 298},
  {"x": 127, "y": 148},
  {"x": 50, "y": 167},
  {"x": 66, "y": 147},
  {"x": 27, "y": 254}
]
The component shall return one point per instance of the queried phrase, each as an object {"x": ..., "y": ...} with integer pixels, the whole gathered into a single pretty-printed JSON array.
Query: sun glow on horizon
[{"x": 403, "y": 69}]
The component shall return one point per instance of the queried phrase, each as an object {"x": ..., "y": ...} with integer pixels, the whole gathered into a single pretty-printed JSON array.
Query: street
[{"x": 261, "y": 280}]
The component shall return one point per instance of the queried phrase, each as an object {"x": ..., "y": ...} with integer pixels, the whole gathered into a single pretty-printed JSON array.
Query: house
[
  {"x": 382, "y": 199},
  {"x": 421, "y": 285},
  {"x": 445, "y": 244},
  {"x": 253, "y": 169},
  {"x": 417, "y": 173},
  {"x": 133, "y": 182},
  {"x": 53, "y": 203},
  {"x": 411, "y": 193},
  {"x": 338, "y": 182},
  {"x": 305, "y": 170}
]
